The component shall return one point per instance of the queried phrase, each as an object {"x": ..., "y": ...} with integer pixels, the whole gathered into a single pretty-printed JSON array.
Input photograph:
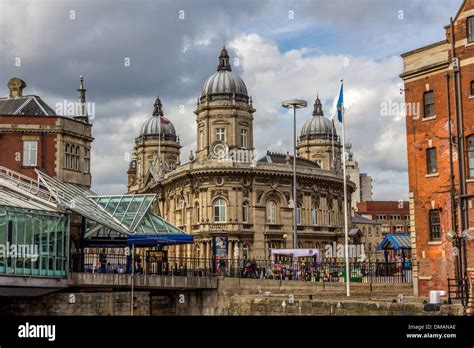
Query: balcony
[{"x": 274, "y": 227}]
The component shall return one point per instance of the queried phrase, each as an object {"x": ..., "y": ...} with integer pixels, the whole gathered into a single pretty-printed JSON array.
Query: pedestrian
[
  {"x": 222, "y": 266},
  {"x": 103, "y": 261}
]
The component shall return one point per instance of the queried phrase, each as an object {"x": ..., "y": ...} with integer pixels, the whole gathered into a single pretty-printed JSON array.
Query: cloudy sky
[{"x": 281, "y": 49}]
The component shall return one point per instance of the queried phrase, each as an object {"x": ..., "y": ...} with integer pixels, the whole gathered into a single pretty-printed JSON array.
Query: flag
[
  {"x": 340, "y": 104},
  {"x": 164, "y": 120}
]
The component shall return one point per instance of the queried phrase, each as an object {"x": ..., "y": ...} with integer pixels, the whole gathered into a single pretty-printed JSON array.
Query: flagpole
[
  {"x": 346, "y": 243},
  {"x": 332, "y": 145}
]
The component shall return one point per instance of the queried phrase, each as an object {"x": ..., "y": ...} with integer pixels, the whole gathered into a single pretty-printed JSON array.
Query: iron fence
[
  {"x": 324, "y": 271},
  {"x": 458, "y": 289}
]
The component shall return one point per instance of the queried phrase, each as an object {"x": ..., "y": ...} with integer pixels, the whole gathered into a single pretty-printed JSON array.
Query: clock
[{"x": 219, "y": 150}]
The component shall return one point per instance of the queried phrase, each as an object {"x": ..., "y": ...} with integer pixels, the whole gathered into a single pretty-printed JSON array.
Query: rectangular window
[
  {"x": 470, "y": 29},
  {"x": 432, "y": 166},
  {"x": 470, "y": 155},
  {"x": 472, "y": 89},
  {"x": 395, "y": 217},
  {"x": 198, "y": 213},
  {"x": 298, "y": 216},
  {"x": 434, "y": 224},
  {"x": 245, "y": 213},
  {"x": 219, "y": 213},
  {"x": 381, "y": 217},
  {"x": 87, "y": 163},
  {"x": 314, "y": 216},
  {"x": 30, "y": 153},
  {"x": 243, "y": 138},
  {"x": 220, "y": 134},
  {"x": 428, "y": 99}
]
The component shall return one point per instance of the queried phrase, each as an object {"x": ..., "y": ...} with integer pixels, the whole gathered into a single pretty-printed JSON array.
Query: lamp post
[{"x": 294, "y": 104}]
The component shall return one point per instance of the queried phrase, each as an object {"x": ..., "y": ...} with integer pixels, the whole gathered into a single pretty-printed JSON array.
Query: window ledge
[
  {"x": 428, "y": 118},
  {"x": 435, "y": 242},
  {"x": 470, "y": 97},
  {"x": 469, "y": 44},
  {"x": 469, "y": 180},
  {"x": 431, "y": 175}
]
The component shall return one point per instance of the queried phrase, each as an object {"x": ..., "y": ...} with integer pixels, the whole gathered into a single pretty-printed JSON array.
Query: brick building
[
  {"x": 393, "y": 216},
  {"x": 439, "y": 92},
  {"x": 33, "y": 136}
]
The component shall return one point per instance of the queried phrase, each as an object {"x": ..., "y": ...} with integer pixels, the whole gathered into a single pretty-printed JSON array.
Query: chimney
[{"x": 16, "y": 85}]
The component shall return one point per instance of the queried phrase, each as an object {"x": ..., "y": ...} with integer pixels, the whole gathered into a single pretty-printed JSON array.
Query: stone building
[
  {"x": 224, "y": 190},
  {"x": 371, "y": 234},
  {"x": 363, "y": 190},
  {"x": 439, "y": 86},
  {"x": 33, "y": 136}
]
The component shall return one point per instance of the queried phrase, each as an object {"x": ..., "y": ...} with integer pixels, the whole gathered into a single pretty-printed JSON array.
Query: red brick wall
[
  {"x": 11, "y": 145},
  {"x": 383, "y": 207},
  {"x": 437, "y": 261}
]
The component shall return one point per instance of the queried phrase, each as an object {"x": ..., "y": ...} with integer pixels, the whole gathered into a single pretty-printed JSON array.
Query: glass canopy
[{"x": 116, "y": 217}]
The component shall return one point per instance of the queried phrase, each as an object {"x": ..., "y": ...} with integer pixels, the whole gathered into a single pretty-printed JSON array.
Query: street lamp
[
  {"x": 285, "y": 237},
  {"x": 294, "y": 104}
]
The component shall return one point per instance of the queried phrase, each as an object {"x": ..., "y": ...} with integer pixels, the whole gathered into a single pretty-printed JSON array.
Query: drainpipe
[
  {"x": 461, "y": 147},
  {"x": 457, "y": 261}
]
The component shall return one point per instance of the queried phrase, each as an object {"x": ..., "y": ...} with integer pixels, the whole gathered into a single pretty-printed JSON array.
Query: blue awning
[
  {"x": 159, "y": 239},
  {"x": 397, "y": 241}
]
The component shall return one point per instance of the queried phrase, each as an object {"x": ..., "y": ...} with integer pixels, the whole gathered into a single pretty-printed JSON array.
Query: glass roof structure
[
  {"x": 116, "y": 217},
  {"x": 75, "y": 198},
  {"x": 13, "y": 199},
  {"x": 134, "y": 211}
]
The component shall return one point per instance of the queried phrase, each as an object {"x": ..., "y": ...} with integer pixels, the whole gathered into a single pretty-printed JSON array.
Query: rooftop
[
  {"x": 31, "y": 105},
  {"x": 280, "y": 158}
]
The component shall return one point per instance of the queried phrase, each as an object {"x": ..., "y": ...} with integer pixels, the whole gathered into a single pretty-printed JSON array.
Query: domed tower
[
  {"x": 318, "y": 136},
  {"x": 224, "y": 114},
  {"x": 156, "y": 148}
]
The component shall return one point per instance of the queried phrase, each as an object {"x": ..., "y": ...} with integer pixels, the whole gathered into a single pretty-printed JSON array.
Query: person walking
[{"x": 103, "y": 261}]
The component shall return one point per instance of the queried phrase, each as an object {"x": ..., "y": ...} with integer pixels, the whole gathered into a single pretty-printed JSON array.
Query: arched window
[
  {"x": 197, "y": 212},
  {"x": 330, "y": 204},
  {"x": 67, "y": 161},
  {"x": 77, "y": 157},
  {"x": 298, "y": 214},
  {"x": 220, "y": 208},
  {"x": 271, "y": 212},
  {"x": 197, "y": 251},
  {"x": 314, "y": 215},
  {"x": 470, "y": 152},
  {"x": 271, "y": 246},
  {"x": 245, "y": 212}
]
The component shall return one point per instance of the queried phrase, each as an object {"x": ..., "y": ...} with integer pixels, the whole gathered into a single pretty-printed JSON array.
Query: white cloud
[{"x": 272, "y": 76}]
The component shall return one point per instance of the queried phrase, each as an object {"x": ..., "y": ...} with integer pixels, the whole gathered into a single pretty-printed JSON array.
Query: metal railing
[
  {"x": 325, "y": 271},
  {"x": 25, "y": 183},
  {"x": 458, "y": 289}
]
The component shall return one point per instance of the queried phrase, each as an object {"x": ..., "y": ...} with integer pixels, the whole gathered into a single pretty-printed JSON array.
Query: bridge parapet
[{"x": 114, "y": 280}]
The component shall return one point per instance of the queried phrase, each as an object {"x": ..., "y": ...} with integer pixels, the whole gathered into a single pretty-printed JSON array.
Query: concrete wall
[
  {"x": 232, "y": 297},
  {"x": 275, "y": 306}
]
